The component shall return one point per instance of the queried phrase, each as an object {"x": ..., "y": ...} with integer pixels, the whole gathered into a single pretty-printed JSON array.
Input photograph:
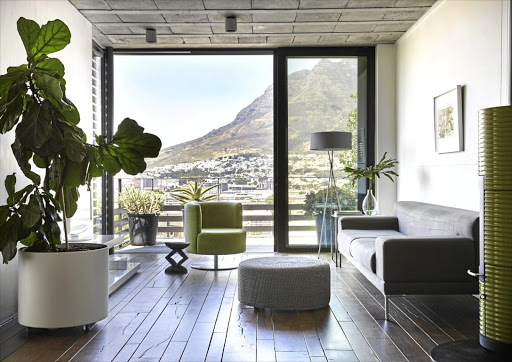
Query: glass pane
[
  {"x": 322, "y": 96},
  {"x": 87, "y": 219},
  {"x": 214, "y": 129}
]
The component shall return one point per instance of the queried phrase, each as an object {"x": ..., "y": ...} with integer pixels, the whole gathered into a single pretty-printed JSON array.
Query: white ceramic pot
[{"x": 65, "y": 289}]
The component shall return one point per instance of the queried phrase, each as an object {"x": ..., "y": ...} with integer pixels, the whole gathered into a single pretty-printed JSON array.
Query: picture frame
[{"x": 448, "y": 121}]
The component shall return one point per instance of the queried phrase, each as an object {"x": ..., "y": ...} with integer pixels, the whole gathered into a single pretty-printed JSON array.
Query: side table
[
  {"x": 335, "y": 251},
  {"x": 176, "y": 248}
]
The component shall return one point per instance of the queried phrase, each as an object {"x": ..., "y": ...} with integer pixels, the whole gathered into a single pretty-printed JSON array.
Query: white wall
[
  {"x": 77, "y": 60},
  {"x": 456, "y": 42},
  {"x": 385, "y": 121}
]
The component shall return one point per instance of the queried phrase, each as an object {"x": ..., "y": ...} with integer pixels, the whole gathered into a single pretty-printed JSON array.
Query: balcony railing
[{"x": 171, "y": 220}]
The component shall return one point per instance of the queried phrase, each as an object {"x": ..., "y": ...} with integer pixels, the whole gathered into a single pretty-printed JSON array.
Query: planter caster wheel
[{"x": 86, "y": 328}]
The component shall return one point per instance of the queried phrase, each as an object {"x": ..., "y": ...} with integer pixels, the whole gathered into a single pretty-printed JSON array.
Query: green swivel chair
[{"x": 214, "y": 228}]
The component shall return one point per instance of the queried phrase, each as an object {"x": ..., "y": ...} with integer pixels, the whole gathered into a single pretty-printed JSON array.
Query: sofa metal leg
[{"x": 386, "y": 308}]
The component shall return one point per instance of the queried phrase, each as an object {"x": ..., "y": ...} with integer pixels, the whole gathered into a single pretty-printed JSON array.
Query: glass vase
[{"x": 370, "y": 204}]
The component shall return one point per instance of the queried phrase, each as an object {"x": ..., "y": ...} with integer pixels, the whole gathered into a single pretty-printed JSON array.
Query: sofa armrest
[
  {"x": 192, "y": 224},
  {"x": 424, "y": 259},
  {"x": 368, "y": 222}
]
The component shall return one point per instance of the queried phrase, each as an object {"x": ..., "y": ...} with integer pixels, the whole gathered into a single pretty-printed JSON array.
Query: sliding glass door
[{"x": 319, "y": 91}]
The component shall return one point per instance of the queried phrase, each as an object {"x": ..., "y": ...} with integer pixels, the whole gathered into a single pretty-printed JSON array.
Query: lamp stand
[{"x": 331, "y": 183}]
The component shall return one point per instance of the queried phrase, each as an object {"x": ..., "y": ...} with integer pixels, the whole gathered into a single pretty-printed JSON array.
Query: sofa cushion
[
  {"x": 421, "y": 219},
  {"x": 363, "y": 251},
  {"x": 346, "y": 236}
]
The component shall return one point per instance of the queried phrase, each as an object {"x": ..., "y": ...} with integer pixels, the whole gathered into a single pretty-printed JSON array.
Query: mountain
[{"x": 318, "y": 100}]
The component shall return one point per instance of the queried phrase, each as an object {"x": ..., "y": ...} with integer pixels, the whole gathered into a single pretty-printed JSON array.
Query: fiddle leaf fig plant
[{"x": 33, "y": 102}]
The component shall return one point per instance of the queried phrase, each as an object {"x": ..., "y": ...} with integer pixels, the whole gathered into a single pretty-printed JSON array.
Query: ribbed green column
[{"x": 495, "y": 164}]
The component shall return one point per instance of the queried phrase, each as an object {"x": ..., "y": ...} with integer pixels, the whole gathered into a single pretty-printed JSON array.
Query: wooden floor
[{"x": 197, "y": 317}]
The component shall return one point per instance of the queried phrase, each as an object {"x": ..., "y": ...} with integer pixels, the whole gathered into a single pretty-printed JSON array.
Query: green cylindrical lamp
[{"x": 495, "y": 165}]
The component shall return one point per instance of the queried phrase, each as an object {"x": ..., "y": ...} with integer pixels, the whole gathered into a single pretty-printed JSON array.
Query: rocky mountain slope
[{"x": 318, "y": 100}]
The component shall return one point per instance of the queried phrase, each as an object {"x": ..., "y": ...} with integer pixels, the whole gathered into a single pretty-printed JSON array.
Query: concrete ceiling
[{"x": 261, "y": 23}]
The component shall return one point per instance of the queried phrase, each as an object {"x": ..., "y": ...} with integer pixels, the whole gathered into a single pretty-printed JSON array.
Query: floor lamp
[{"x": 330, "y": 142}]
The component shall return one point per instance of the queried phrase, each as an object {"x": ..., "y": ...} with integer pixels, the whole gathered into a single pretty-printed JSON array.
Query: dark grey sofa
[{"x": 423, "y": 249}]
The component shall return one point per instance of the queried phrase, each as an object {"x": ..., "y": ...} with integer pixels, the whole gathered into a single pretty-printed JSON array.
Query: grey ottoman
[{"x": 287, "y": 283}]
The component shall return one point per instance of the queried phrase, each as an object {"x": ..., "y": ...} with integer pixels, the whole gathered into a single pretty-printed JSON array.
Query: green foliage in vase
[
  {"x": 33, "y": 102},
  {"x": 384, "y": 167},
  {"x": 193, "y": 191},
  {"x": 137, "y": 201}
]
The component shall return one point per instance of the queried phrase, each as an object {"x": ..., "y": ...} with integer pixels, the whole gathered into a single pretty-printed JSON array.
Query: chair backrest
[{"x": 221, "y": 214}]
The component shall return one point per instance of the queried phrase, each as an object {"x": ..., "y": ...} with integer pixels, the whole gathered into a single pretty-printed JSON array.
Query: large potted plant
[
  {"x": 60, "y": 285},
  {"x": 384, "y": 167},
  {"x": 143, "y": 213}
]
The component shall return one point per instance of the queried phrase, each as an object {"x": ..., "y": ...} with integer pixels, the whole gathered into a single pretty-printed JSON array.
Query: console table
[{"x": 119, "y": 269}]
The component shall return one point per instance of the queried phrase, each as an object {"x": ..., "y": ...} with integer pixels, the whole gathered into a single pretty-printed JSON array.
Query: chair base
[{"x": 209, "y": 265}]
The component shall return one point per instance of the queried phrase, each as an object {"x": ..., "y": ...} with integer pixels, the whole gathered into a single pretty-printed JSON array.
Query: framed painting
[{"x": 448, "y": 122}]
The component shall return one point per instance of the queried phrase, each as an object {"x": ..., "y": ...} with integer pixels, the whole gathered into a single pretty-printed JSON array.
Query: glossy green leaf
[
  {"x": 11, "y": 110},
  {"x": 13, "y": 75},
  {"x": 94, "y": 169},
  {"x": 29, "y": 240},
  {"x": 9, "y": 238},
  {"x": 130, "y": 159},
  {"x": 36, "y": 127},
  {"x": 52, "y": 37},
  {"x": 21, "y": 195},
  {"x": 70, "y": 113},
  {"x": 49, "y": 87},
  {"x": 38, "y": 161},
  {"x": 30, "y": 213},
  {"x": 71, "y": 197},
  {"x": 23, "y": 156},
  {"x": 52, "y": 66},
  {"x": 29, "y": 31},
  {"x": 74, "y": 174},
  {"x": 74, "y": 149},
  {"x": 130, "y": 135},
  {"x": 5, "y": 213},
  {"x": 109, "y": 162},
  {"x": 10, "y": 184}
]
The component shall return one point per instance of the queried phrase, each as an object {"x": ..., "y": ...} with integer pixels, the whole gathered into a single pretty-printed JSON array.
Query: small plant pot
[
  {"x": 143, "y": 229},
  {"x": 63, "y": 289}
]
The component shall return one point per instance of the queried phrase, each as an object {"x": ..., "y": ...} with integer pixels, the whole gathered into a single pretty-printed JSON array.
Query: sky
[{"x": 182, "y": 97}]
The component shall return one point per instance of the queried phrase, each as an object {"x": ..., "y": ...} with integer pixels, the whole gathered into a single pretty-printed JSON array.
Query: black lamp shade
[{"x": 331, "y": 141}]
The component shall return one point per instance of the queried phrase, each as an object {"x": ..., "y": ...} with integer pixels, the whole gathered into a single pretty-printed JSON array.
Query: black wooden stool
[{"x": 176, "y": 248}]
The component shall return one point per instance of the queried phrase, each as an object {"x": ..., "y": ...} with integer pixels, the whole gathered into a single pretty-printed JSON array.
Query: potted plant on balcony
[
  {"x": 143, "y": 213},
  {"x": 59, "y": 285},
  {"x": 193, "y": 191},
  {"x": 384, "y": 167}
]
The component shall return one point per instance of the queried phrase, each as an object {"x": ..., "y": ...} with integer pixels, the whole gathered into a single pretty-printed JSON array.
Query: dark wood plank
[
  {"x": 216, "y": 347},
  {"x": 386, "y": 350},
  {"x": 112, "y": 338},
  {"x": 329, "y": 331},
  {"x": 197, "y": 346},
  {"x": 156, "y": 340},
  {"x": 407, "y": 346},
  {"x": 265, "y": 325},
  {"x": 311, "y": 338},
  {"x": 174, "y": 351},
  {"x": 288, "y": 332},
  {"x": 126, "y": 352},
  {"x": 266, "y": 351},
  {"x": 241, "y": 334},
  {"x": 358, "y": 343}
]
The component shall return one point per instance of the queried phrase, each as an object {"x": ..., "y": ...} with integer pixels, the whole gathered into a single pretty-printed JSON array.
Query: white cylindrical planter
[{"x": 64, "y": 289}]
